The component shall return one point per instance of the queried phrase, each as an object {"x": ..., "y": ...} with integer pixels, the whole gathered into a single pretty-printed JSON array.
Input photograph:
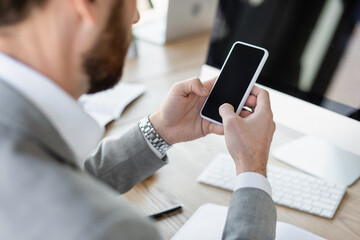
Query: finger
[
  {"x": 251, "y": 101},
  {"x": 262, "y": 99},
  {"x": 226, "y": 111},
  {"x": 209, "y": 83},
  {"x": 193, "y": 85},
  {"x": 245, "y": 113},
  {"x": 255, "y": 90},
  {"x": 216, "y": 129}
]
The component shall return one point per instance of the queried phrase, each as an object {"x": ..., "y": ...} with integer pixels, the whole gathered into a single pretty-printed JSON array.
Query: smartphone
[{"x": 235, "y": 81}]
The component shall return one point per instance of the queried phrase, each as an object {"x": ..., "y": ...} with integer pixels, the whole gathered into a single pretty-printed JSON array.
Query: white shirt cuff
[{"x": 252, "y": 180}]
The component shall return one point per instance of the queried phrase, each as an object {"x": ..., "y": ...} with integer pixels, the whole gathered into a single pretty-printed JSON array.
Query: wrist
[
  {"x": 159, "y": 126},
  {"x": 241, "y": 169}
]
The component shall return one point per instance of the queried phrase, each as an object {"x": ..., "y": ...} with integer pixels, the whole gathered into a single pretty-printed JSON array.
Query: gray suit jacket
[{"x": 45, "y": 194}]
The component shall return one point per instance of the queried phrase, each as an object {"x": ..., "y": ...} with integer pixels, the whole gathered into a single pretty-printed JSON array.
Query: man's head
[
  {"x": 12, "y": 12},
  {"x": 80, "y": 44}
]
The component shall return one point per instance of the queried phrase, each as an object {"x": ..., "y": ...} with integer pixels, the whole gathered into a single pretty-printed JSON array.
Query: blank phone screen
[{"x": 233, "y": 80}]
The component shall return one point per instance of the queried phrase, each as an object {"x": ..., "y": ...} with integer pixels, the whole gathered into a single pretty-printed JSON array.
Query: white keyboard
[{"x": 289, "y": 188}]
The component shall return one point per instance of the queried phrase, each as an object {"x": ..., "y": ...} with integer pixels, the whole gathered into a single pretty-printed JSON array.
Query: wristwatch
[{"x": 154, "y": 138}]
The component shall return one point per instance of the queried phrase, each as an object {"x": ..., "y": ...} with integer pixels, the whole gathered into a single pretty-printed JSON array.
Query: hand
[
  {"x": 248, "y": 136},
  {"x": 178, "y": 119}
]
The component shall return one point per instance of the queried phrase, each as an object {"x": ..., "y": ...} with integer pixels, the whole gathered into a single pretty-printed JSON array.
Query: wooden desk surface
[{"x": 159, "y": 67}]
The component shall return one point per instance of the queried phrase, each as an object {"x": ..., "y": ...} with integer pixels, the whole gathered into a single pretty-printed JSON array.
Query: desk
[{"x": 159, "y": 67}]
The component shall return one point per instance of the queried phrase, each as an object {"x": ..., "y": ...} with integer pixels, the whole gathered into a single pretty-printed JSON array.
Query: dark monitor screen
[{"x": 314, "y": 47}]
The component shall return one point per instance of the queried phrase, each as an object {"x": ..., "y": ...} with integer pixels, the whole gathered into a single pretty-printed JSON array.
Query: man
[{"x": 51, "y": 187}]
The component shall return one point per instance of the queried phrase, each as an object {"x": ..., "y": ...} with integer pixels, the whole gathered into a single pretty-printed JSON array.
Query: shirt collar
[{"x": 77, "y": 128}]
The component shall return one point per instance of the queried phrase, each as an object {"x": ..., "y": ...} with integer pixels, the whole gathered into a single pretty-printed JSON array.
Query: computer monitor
[{"x": 312, "y": 74}]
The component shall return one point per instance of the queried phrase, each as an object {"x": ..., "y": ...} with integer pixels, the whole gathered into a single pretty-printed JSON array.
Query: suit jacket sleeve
[
  {"x": 121, "y": 163},
  {"x": 251, "y": 215}
]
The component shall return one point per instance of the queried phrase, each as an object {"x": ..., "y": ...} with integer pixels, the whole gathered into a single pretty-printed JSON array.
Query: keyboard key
[
  {"x": 315, "y": 210},
  {"x": 335, "y": 191},
  {"x": 325, "y": 194},
  {"x": 334, "y": 197},
  {"x": 296, "y": 205},
  {"x": 307, "y": 201},
  {"x": 288, "y": 195},
  {"x": 285, "y": 201},
  {"x": 305, "y": 207},
  {"x": 327, "y": 213},
  {"x": 323, "y": 206},
  {"x": 305, "y": 195},
  {"x": 276, "y": 198},
  {"x": 315, "y": 197},
  {"x": 329, "y": 201}
]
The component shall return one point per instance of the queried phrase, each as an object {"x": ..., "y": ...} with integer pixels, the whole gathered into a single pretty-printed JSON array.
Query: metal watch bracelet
[{"x": 154, "y": 138}]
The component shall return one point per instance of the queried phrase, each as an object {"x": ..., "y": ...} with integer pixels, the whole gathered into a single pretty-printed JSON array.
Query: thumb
[
  {"x": 226, "y": 111},
  {"x": 193, "y": 85}
]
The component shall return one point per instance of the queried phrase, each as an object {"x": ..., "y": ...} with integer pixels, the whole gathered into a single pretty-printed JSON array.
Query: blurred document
[
  {"x": 108, "y": 105},
  {"x": 208, "y": 223}
]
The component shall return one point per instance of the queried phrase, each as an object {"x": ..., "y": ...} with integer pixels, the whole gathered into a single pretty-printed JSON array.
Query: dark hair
[{"x": 14, "y": 11}]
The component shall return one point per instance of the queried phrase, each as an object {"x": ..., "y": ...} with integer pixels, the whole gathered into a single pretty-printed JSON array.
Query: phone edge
[{"x": 255, "y": 77}]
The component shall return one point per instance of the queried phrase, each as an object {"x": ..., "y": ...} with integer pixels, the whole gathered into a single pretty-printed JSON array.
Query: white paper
[
  {"x": 287, "y": 231},
  {"x": 208, "y": 223},
  {"x": 108, "y": 105}
]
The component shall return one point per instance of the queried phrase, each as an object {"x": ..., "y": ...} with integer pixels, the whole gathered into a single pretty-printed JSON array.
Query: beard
[{"x": 104, "y": 62}]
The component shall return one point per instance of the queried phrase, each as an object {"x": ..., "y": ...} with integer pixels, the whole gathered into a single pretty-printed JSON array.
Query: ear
[{"x": 85, "y": 10}]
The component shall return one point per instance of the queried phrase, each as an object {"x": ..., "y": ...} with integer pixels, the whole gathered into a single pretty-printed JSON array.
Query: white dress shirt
[{"x": 77, "y": 128}]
